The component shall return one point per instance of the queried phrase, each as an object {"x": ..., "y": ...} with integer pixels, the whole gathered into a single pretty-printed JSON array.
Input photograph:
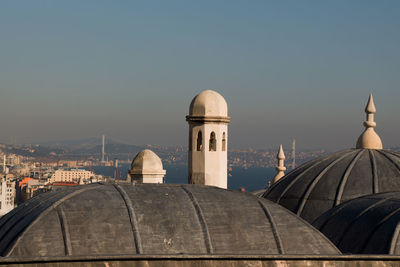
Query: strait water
[{"x": 251, "y": 179}]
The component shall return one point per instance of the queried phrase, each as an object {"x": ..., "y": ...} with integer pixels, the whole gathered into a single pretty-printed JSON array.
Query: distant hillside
[{"x": 78, "y": 143}]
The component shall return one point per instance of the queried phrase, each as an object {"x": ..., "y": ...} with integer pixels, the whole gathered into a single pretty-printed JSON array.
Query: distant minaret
[
  {"x": 116, "y": 172},
  {"x": 102, "y": 148},
  {"x": 208, "y": 140},
  {"x": 369, "y": 139},
  {"x": 294, "y": 154},
  {"x": 280, "y": 168},
  {"x": 4, "y": 164}
]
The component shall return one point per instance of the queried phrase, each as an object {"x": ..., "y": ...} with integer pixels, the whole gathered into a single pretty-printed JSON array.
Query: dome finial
[
  {"x": 280, "y": 168},
  {"x": 369, "y": 139},
  {"x": 370, "y": 107}
]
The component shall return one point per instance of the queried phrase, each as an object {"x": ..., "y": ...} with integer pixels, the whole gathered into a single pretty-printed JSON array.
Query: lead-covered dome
[
  {"x": 323, "y": 183},
  {"x": 155, "y": 219},
  {"x": 208, "y": 103},
  {"x": 146, "y": 161},
  {"x": 366, "y": 225}
]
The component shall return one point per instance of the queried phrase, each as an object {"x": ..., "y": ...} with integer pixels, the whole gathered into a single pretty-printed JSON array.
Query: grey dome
[
  {"x": 366, "y": 225},
  {"x": 321, "y": 184},
  {"x": 151, "y": 219}
]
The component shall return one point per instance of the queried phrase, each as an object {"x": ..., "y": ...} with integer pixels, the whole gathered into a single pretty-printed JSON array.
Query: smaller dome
[
  {"x": 208, "y": 103},
  {"x": 365, "y": 225},
  {"x": 147, "y": 162}
]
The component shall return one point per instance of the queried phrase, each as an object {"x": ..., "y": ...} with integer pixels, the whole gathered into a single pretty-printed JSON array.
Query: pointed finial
[
  {"x": 281, "y": 155},
  {"x": 370, "y": 108},
  {"x": 280, "y": 168},
  {"x": 369, "y": 139}
]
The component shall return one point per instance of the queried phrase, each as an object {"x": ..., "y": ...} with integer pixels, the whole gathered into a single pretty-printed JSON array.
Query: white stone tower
[
  {"x": 208, "y": 139},
  {"x": 147, "y": 168},
  {"x": 369, "y": 139},
  {"x": 280, "y": 168}
]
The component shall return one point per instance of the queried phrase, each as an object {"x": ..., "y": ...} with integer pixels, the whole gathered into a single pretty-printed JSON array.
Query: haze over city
[{"x": 304, "y": 70}]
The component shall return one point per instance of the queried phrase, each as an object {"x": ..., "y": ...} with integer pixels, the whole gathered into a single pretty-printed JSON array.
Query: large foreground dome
[{"x": 155, "y": 219}]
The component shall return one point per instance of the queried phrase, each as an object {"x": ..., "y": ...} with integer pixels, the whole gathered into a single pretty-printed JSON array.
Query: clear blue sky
[{"x": 129, "y": 69}]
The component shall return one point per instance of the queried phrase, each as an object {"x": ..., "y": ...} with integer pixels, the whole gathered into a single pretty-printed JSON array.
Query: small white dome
[
  {"x": 146, "y": 161},
  {"x": 208, "y": 103}
]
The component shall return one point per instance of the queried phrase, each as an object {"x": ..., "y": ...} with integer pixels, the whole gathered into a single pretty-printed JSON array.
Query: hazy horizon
[{"x": 303, "y": 70}]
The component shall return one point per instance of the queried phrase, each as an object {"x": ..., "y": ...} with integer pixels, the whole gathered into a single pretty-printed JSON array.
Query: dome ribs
[
  {"x": 355, "y": 219},
  {"x": 393, "y": 153},
  {"x": 65, "y": 230},
  {"x": 96, "y": 220},
  {"x": 390, "y": 159},
  {"x": 276, "y": 185},
  {"x": 345, "y": 176},
  {"x": 43, "y": 210},
  {"x": 315, "y": 181},
  {"x": 278, "y": 240},
  {"x": 6, "y": 240},
  {"x": 386, "y": 218},
  {"x": 317, "y": 221},
  {"x": 316, "y": 186},
  {"x": 365, "y": 225},
  {"x": 132, "y": 217},
  {"x": 375, "y": 181},
  {"x": 200, "y": 216},
  {"x": 295, "y": 179},
  {"x": 395, "y": 240},
  {"x": 11, "y": 215}
]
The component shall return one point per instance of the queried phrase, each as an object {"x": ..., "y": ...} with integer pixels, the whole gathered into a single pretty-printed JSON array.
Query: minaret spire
[
  {"x": 280, "y": 168},
  {"x": 369, "y": 139}
]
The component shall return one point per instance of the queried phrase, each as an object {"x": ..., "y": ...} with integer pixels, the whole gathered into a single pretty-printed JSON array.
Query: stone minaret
[
  {"x": 369, "y": 139},
  {"x": 4, "y": 164},
  {"x": 208, "y": 140},
  {"x": 280, "y": 168}
]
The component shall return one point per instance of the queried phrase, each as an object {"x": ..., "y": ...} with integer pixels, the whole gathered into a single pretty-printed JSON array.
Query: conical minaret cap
[
  {"x": 369, "y": 139},
  {"x": 281, "y": 155}
]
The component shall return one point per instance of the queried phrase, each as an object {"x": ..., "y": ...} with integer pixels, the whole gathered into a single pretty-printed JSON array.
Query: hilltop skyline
[{"x": 72, "y": 70}]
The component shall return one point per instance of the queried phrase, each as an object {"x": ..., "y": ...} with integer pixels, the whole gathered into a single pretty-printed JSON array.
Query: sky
[{"x": 129, "y": 69}]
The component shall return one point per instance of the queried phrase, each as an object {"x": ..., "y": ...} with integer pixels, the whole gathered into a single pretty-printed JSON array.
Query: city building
[
  {"x": 7, "y": 195},
  {"x": 73, "y": 175}
]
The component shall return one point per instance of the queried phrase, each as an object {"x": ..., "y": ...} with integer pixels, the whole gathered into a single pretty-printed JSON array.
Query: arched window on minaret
[
  {"x": 223, "y": 142},
  {"x": 199, "y": 141},
  {"x": 213, "y": 142}
]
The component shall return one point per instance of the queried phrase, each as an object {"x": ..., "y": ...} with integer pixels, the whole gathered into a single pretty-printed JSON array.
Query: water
[{"x": 251, "y": 179}]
